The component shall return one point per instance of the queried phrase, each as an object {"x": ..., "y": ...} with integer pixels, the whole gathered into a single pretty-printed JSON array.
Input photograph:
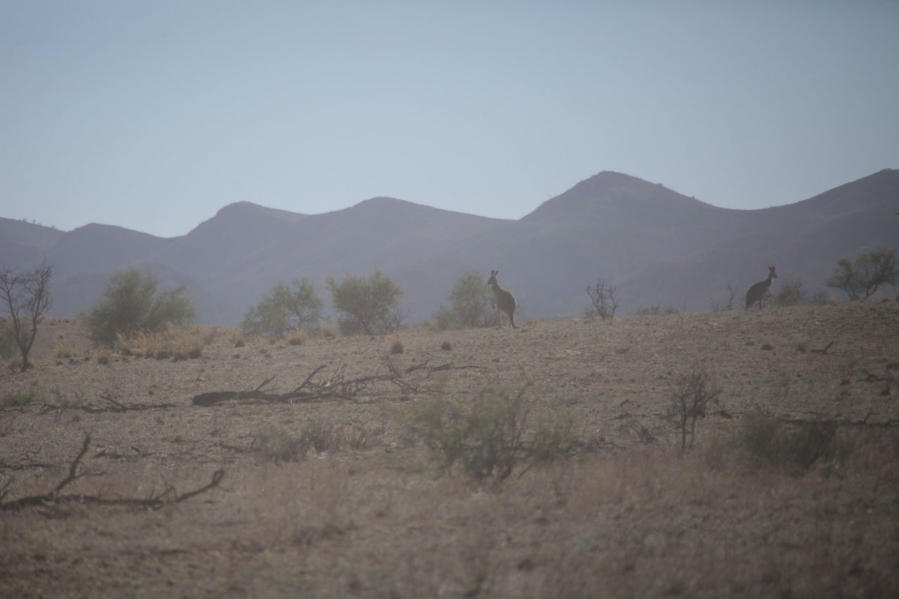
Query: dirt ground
[{"x": 628, "y": 515}]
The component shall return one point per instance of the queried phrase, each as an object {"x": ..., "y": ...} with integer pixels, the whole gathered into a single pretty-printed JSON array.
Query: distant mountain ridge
[{"x": 656, "y": 246}]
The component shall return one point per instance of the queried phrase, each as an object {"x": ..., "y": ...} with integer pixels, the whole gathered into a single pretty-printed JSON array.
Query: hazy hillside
[
  {"x": 655, "y": 245},
  {"x": 23, "y": 243}
]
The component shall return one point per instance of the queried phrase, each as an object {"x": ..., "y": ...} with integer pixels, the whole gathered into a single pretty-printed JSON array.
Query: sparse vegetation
[
  {"x": 470, "y": 304},
  {"x": 602, "y": 300},
  {"x": 16, "y": 400},
  {"x": 870, "y": 271},
  {"x": 656, "y": 310},
  {"x": 793, "y": 447},
  {"x": 369, "y": 305},
  {"x": 485, "y": 440},
  {"x": 8, "y": 347},
  {"x": 284, "y": 309},
  {"x": 790, "y": 293},
  {"x": 429, "y": 485},
  {"x": 553, "y": 440},
  {"x": 728, "y": 304},
  {"x": 279, "y": 445},
  {"x": 132, "y": 304},
  {"x": 26, "y": 298},
  {"x": 177, "y": 344},
  {"x": 298, "y": 337}
]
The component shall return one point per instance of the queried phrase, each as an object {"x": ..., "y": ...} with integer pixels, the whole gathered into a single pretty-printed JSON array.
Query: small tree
[
  {"x": 370, "y": 305},
  {"x": 690, "y": 401},
  {"x": 470, "y": 304},
  {"x": 284, "y": 308},
  {"x": 861, "y": 279},
  {"x": 130, "y": 304},
  {"x": 602, "y": 300},
  {"x": 26, "y": 298}
]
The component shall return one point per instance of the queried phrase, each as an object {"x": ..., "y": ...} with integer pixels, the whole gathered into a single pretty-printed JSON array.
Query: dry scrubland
[{"x": 626, "y": 513}]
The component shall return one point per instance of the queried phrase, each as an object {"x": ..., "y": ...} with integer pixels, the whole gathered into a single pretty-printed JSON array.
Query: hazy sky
[{"x": 153, "y": 115}]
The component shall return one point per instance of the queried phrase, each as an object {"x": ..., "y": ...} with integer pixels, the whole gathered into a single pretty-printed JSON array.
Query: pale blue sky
[{"x": 153, "y": 115}]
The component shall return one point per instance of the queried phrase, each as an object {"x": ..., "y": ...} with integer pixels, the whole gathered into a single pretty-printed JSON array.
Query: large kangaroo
[
  {"x": 504, "y": 300},
  {"x": 758, "y": 291}
]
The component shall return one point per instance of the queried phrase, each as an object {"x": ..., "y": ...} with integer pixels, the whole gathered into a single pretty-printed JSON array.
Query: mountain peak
[{"x": 609, "y": 190}]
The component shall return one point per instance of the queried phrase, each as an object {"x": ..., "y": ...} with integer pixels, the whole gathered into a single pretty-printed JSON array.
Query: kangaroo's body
[
  {"x": 758, "y": 291},
  {"x": 505, "y": 301}
]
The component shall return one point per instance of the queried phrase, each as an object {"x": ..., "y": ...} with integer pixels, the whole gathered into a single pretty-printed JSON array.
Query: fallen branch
[
  {"x": 822, "y": 351},
  {"x": 841, "y": 423},
  {"x": 336, "y": 387},
  {"x": 55, "y": 497},
  {"x": 115, "y": 406},
  {"x": 442, "y": 367}
]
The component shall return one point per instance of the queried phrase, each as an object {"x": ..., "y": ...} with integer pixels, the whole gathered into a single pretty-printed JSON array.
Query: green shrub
[
  {"x": 862, "y": 278},
  {"x": 470, "y": 304},
  {"x": 131, "y": 304},
  {"x": 284, "y": 309},
  {"x": 486, "y": 440},
  {"x": 369, "y": 305}
]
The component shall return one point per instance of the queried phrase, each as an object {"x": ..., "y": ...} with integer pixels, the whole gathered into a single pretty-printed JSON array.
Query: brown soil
[{"x": 629, "y": 515}]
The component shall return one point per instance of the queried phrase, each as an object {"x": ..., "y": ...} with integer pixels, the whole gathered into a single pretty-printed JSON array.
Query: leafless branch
[{"x": 55, "y": 497}]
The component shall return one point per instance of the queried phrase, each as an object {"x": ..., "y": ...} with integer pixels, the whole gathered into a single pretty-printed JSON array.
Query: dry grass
[
  {"x": 336, "y": 498},
  {"x": 174, "y": 344},
  {"x": 298, "y": 337}
]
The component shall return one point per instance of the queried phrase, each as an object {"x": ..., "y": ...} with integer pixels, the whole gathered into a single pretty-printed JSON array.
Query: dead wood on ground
[
  {"x": 56, "y": 497},
  {"x": 337, "y": 386},
  {"x": 114, "y": 406}
]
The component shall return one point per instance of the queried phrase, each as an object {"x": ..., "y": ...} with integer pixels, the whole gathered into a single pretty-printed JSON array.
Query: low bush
[
  {"x": 794, "y": 447},
  {"x": 554, "y": 440},
  {"x": 8, "y": 347},
  {"x": 131, "y": 304},
  {"x": 282, "y": 446},
  {"x": 656, "y": 310},
  {"x": 177, "y": 344},
  {"x": 790, "y": 293},
  {"x": 486, "y": 440},
  {"x": 298, "y": 337},
  {"x": 16, "y": 400}
]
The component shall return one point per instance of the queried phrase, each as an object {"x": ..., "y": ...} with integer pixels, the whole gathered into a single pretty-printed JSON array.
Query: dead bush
[
  {"x": 690, "y": 401},
  {"x": 602, "y": 300}
]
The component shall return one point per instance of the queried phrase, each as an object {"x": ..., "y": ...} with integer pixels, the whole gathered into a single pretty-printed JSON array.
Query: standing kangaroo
[
  {"x": 758, "y": 291},
  {"x": 504, "y": 300}
]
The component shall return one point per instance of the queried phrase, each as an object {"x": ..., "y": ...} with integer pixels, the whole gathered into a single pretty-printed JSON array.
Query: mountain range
[{"x": 654, "y": 245}]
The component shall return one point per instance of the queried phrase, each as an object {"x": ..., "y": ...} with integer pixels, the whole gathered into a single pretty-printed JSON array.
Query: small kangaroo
[
  {"x": 758, "y": 291},
  {"x": 504, "y": 300}
]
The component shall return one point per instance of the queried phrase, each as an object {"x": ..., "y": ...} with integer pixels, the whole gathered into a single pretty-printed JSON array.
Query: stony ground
[{"x": 629, "y": 514}]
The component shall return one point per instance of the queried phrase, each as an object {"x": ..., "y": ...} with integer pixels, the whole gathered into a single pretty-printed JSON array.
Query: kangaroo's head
[
  {"x": 771, "y": 272},
  {"x": 492, "y": 280}
]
